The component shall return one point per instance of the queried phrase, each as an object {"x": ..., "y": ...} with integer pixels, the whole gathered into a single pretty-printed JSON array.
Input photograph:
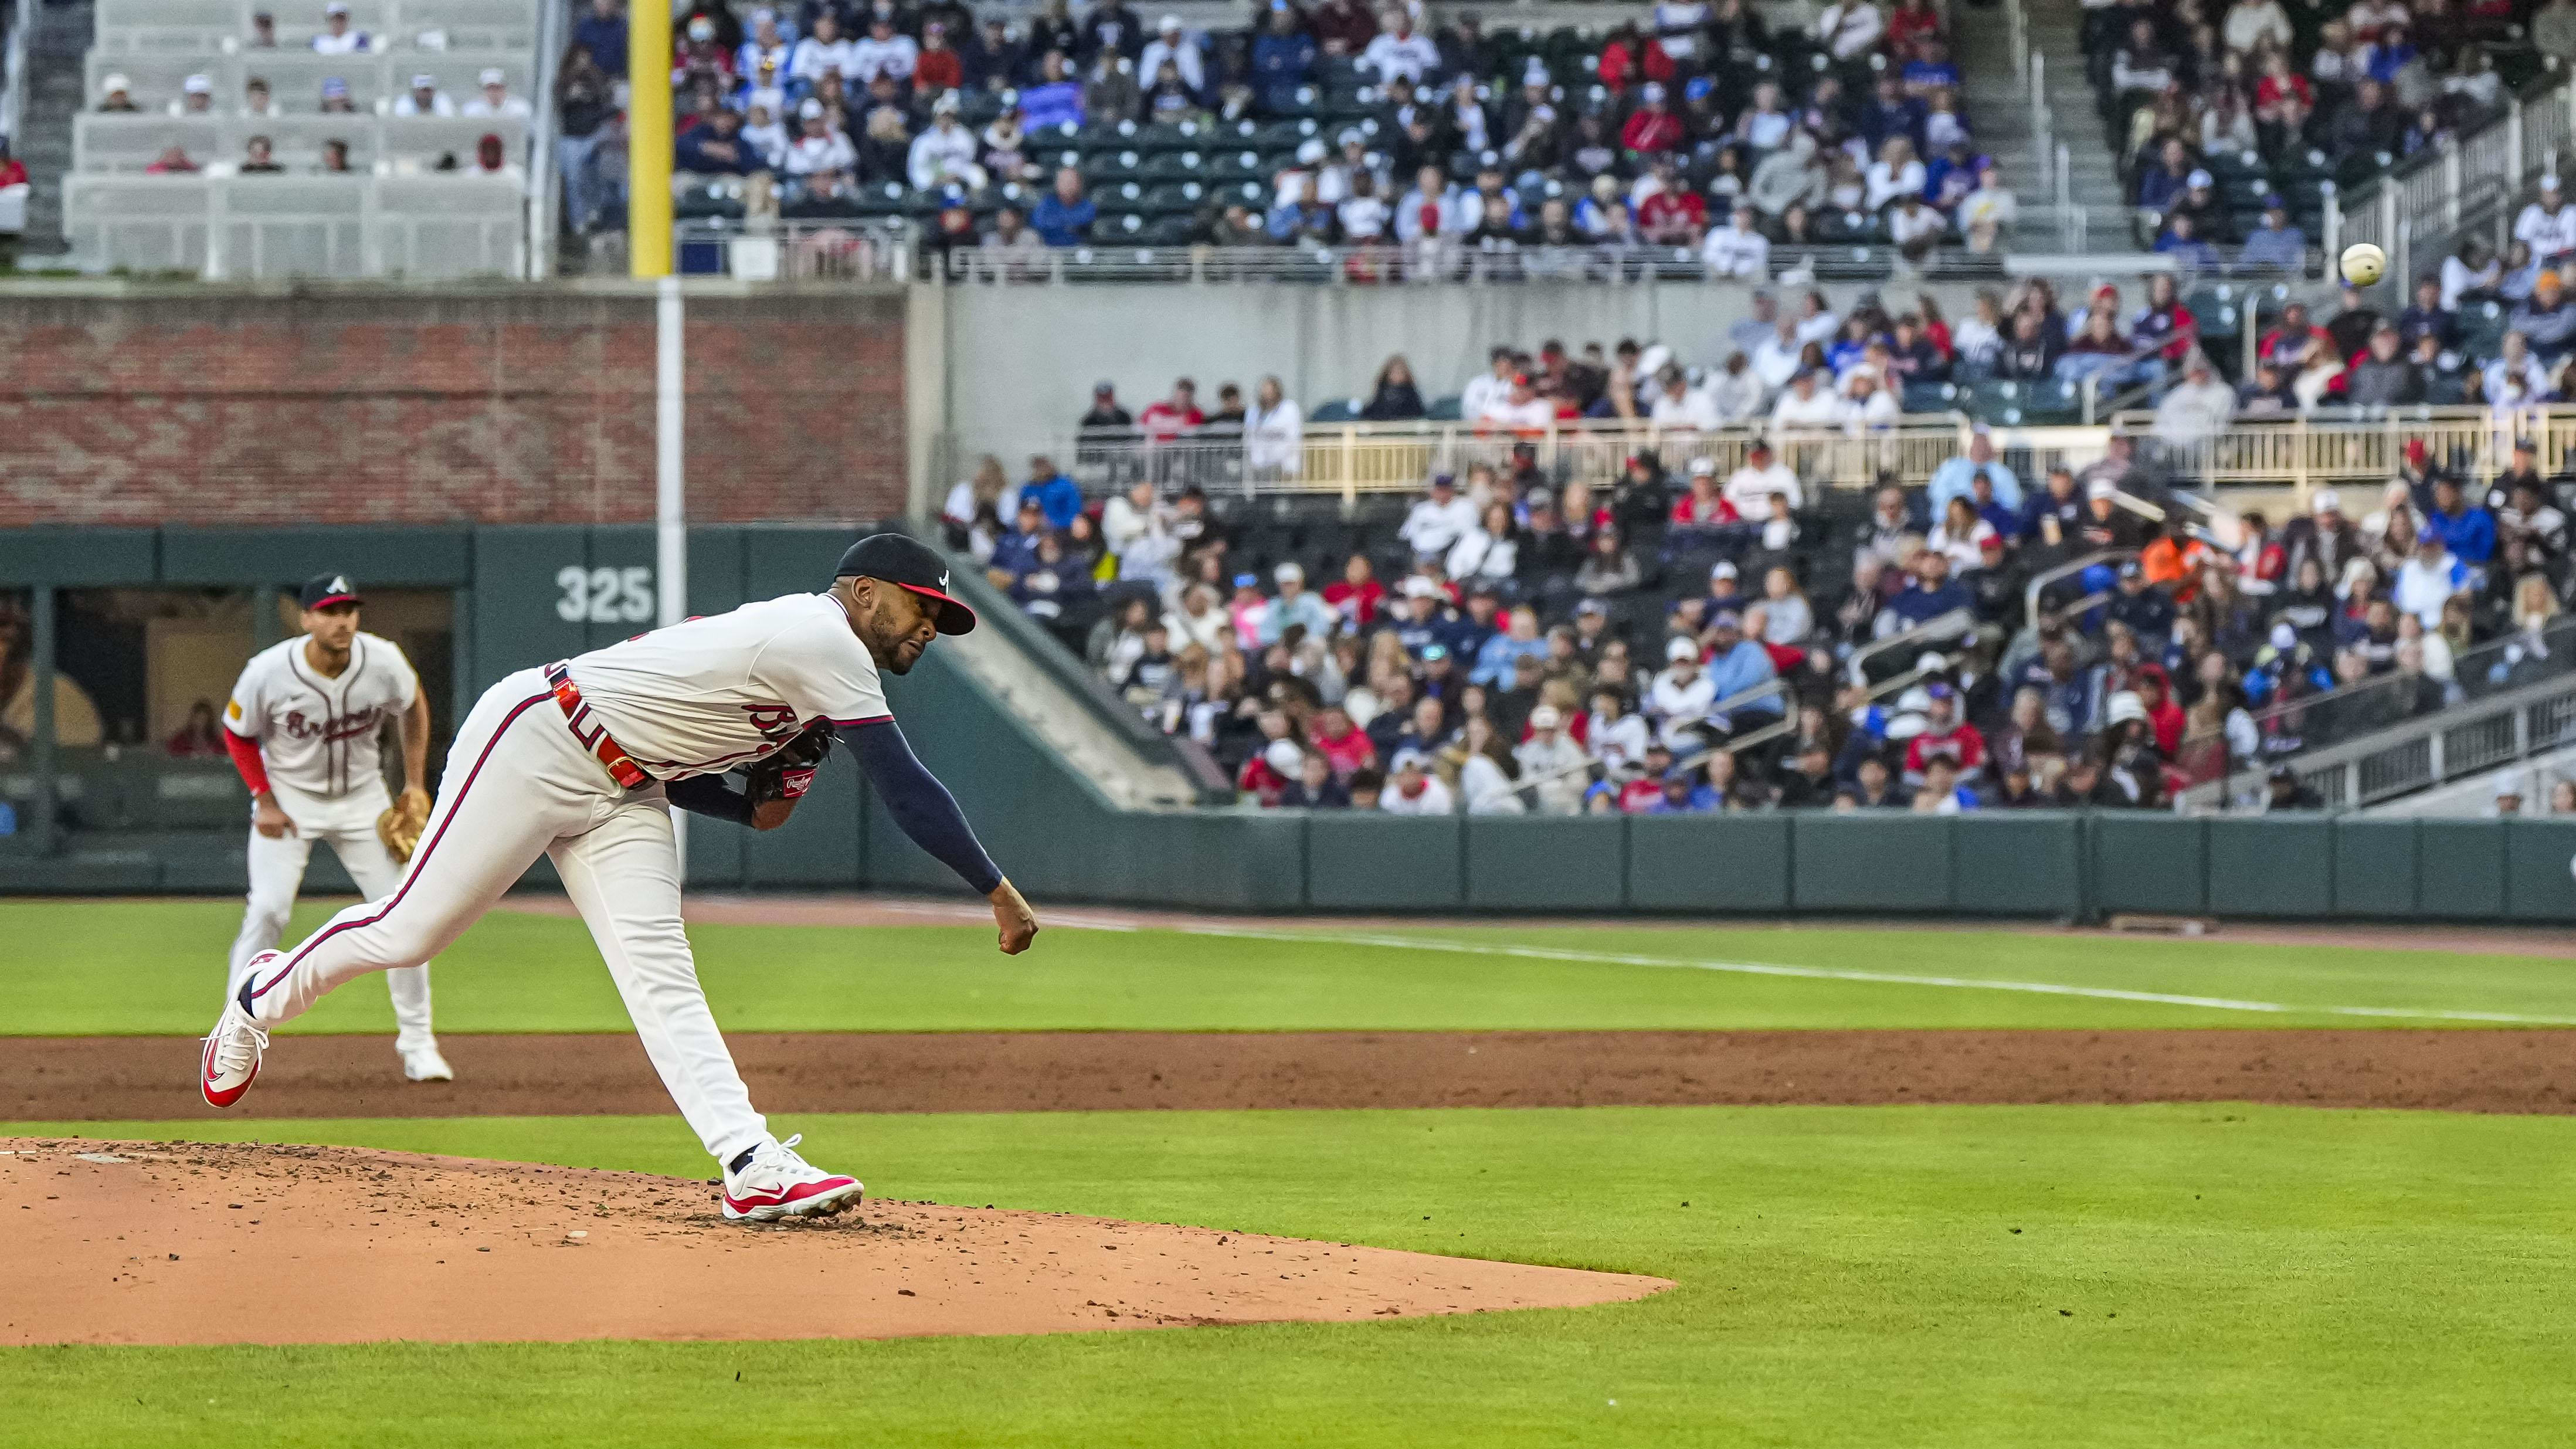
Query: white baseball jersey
[
  {"x": 317, "y": 736},
  {"x": 704, "y": 696}
]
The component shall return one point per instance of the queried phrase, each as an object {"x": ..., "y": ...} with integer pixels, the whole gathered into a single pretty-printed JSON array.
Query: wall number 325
[{"x": 604, "y": 596}]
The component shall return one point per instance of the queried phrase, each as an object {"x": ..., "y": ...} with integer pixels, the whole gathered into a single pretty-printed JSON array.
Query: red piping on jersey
[
  {"x": 419, "y": 861},
  {"x": 246, "y": 759},
  {"x": 842, "y": 724}
]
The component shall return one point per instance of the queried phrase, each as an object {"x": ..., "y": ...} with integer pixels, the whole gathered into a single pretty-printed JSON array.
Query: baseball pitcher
[
  {"x": 581, "y": 761},
  {"x": 304, "y": 727}
]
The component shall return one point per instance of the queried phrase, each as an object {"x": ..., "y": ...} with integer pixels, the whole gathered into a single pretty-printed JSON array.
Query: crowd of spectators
[
  {"x": 1516, "y": 640},
  {"x": 1697, "y": 125},
  {"x": 2217, "y": 106}
]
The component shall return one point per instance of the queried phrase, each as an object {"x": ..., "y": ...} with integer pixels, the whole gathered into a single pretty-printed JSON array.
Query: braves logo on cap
[{"x": 911, "y": 565}]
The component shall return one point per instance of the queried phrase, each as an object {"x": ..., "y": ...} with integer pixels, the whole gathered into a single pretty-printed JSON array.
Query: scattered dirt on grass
[
  {"x": 186, "y": 1243},
  {"x": 66, "y": 1079}
]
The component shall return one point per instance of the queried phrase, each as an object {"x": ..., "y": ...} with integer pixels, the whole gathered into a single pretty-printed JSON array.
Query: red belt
[{"x": 593, "y": 735}]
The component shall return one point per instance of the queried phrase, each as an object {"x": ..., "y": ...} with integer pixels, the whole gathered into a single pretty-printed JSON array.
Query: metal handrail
[
  {"x": 1940, "y": 626},
  {"x": 2093, "y": 380},
  {"x": 2040, "y": 582},
  {"x": 2344, "y": 774}
]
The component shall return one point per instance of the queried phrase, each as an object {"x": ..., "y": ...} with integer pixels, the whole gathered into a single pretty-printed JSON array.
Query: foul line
[{"x": 1883, "y": 978}]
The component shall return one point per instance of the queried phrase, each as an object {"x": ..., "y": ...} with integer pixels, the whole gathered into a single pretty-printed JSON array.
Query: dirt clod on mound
[{"x": 188, "y": 1243}]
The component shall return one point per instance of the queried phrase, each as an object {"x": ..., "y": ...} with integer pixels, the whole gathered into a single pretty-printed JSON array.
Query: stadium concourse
[{"x": 1697, "y": 637}]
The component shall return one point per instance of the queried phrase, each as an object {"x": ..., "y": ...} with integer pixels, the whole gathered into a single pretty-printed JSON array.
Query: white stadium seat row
[
  {"x": 295, "y": 77},
  {"x": 129, "y": 28},
  {"x": 105, "y": 144}
]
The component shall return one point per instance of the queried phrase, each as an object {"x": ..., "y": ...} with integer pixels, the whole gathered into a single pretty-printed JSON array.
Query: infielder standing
[
  {"x": 581, "y": 762},
  {"x": 304, "y": 728}
]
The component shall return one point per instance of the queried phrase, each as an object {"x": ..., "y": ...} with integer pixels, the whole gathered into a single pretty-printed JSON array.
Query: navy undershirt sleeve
[
  {"x": 921, "y": 805},
  {"x": 709, "y": 795}
]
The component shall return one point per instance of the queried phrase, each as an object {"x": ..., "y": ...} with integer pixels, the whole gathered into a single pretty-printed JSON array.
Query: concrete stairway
[
  {"x": 1999, "y": 107},
  {"x": 56, "y": 53}
]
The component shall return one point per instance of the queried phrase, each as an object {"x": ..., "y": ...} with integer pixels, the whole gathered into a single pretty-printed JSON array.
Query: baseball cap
[
  {"x": 1723, "y": 569},
  {"x": 1289, "y": 572},
  {"x": 424, "y": 81},
  {"x": 1545, "y": 717},
  {"x": 491, "y": 75},
  {"x": 1726, "y": 619},
  {"x": 2326, "y": 501},
  {"x": 324, "y": 590},
  {"x": 1443, "y": 480},
  {"x": 1703, "y": 467},
  {"x": 1408, "y": 760},
  {"x": 2197, "y": 178},
  {"x": 1680, "y": 649},
  {"x": 1418, "y": 587},
  {"x": 811, "y": 110},
  {"x": 336, "y": 7},
  {"x": 200, "y": 84},
  {"x": 1592, "y": 607},
  {"x": 1433, "y": 653},
  {"x": 908, "y": 564},
  {"x": 2101, "y": 488},
  {"x": 1284, "y": 757}
]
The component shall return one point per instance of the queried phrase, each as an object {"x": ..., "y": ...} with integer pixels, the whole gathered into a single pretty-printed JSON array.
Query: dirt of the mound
[
  {"x": 185, "y": 1243},
  {"x": 126, "y": 1078}
]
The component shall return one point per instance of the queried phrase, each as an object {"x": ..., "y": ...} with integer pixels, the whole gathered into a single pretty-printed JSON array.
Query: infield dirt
[
  {"x": 67, "y": 1079},
  {"x": 180, "y": 1243}
]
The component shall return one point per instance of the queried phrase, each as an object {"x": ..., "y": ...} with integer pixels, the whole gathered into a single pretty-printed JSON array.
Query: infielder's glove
[
  {"x": 774, "y": 784},
  {"x": 400, "y": 826}
]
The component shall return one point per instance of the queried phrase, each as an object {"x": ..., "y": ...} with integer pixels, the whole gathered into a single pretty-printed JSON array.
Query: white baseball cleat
[
  {"x": 770, "y": 1182},
  {"x": 231, "y": 1058},
  {"x": 424, "y": 1064}
]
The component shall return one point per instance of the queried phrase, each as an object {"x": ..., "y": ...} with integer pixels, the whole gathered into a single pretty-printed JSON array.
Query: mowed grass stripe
[
  {"x": 155, "y": 967},
  {"x": 1933, "y": 1276}
]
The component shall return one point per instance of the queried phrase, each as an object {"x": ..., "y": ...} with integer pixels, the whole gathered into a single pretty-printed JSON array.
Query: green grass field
[
  {"x": 156, "y": 967},
  {"x": 2181, "y": 1275}
]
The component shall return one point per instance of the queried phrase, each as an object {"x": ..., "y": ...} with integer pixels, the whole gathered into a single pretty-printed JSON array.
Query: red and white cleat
[
  {"x": 771, "y": 1182},
  {"x": 231, "y": 1059}
]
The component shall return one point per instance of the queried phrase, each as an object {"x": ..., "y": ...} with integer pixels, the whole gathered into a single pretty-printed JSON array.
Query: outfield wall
[{"x": 1060, "y": 838}]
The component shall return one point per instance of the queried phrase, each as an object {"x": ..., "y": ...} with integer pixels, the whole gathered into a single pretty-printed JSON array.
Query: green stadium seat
[
  {"x": 1339, "y": 410},
  {"x": 1174, "y": 166},
  {"x": 1238, "y": 165},
  {"x": 1930, "y": 397},
  {"x": 2482, "y": 328},
  {"x": 1183, "y": 198},
  {"x": 1102, "y": 168},
  {"x": 1172, "y": 231},
  {"x": 1443, "y": 410},
  {"x": 1172, "y": 136},
  {"x": 1118, "y": 226}
]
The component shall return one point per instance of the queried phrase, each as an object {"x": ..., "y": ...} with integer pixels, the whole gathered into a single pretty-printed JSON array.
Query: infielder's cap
[
  {"x": 907, "y": 563},
  {"x": 323, "y": 590}
]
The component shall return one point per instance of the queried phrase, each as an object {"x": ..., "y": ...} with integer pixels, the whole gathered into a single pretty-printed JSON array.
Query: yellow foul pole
[{"x": 648, "y": 138}]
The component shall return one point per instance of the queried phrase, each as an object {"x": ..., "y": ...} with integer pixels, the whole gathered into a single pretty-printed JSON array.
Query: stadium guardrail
[
  {"x": 2429, "y": 193},
  {"x": 2405, "y": 757},
  {"x": 2307, "y": 451}
]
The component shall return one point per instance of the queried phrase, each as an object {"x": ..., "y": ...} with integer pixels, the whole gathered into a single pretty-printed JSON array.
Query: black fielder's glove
[{"x": 774, "y": 784}]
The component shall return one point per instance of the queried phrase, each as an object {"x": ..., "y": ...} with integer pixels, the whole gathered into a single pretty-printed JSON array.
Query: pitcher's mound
[{"x": 179, "y": 1242}]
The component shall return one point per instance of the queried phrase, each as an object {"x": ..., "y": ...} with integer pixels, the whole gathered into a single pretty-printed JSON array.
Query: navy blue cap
[{"x": 909, "y": 564}]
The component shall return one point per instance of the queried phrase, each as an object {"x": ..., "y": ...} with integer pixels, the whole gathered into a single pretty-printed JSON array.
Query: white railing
[
  {"x": 2430, "y": 197},
  {"x": 769, "y": 250},
  {"x": 2306, "y": 451},
  {"x": 1355, "y": 458},
  {"x": 302, "y": 226},
  {"x": 2414, "y": 755}
]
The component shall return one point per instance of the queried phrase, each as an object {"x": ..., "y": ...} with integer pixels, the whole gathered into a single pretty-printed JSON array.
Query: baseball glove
[
  {"x": 400, "y": 826},
  {"x": 776, "y": 782}
]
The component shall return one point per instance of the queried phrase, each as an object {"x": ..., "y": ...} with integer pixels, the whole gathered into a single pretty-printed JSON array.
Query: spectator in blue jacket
[
  {"x": 602, "y": 32},
  {"x": 1055, "y": 100},
  {"x": 1957, "y": 477},
  {"x": 1496, "y": 658},
  {"x": 2275, "y": 245},
  {"x": 1736, "y": 664},
  {"x": 717, "y": 147},
  {"x": 1932, "y": 593},
  {"x": 1282, "y": 58},
  {"x": 1059, "y": 498},
  {"x": 1016, "y": 551},
  {"x": 1063, "y": 217},
  {"x": 2467, "y": 530}
]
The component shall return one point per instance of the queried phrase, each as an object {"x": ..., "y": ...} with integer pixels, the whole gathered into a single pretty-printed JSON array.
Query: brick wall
[{"x": 394, "y": 406}]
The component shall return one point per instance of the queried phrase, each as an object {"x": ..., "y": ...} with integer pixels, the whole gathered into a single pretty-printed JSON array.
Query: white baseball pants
[
  {"x": 348, "y": 825},
  {"x": 518, "y": 786}
]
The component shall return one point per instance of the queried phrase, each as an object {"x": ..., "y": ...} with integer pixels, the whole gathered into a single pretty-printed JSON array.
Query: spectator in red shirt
[
  {"x": 2154, "y": 689},
  {"x": 1168, "y": 418},
  {"x": 200, "y": 735},
  {"x": 13, "y": 172},
  {"x": 1630, "y": 58},
  {"x": 1344, "y": 745},
  {"x": 1358, "y": 596},
  {"x": 1675, "y": 215},
  {"x": 938, "y": 67},
  {"x": 1646, "y": 787},
  {"x": 1651, "y": 128},
  {"x": 1946, "y": 735},
  {"x": 1269, "y": 773}
]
